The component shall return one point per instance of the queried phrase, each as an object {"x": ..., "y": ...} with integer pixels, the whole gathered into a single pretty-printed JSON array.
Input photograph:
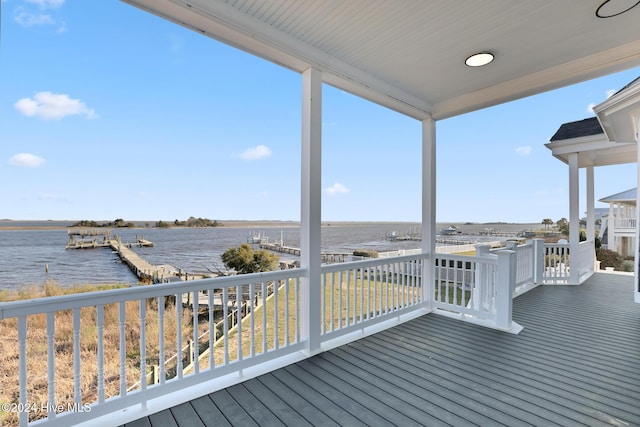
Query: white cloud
[
  {"x": 49, "y": 105},
  {"x": 46, "y": 4},
  {"x": 27, "y": 19},
  {"x": 608, "y": 93},
  {"x": 524, "y": 151},
  {"x": 29, "y": 16},
  {"x": 255, "y": 153},
  {"x": 26, "y": 159},
  {"x": 336, "y": 188}
]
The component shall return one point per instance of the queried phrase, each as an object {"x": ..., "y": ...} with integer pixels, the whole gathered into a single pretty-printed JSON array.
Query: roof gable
[
  {"x": 629, "y": 195},
  {"x": 585, "y": 127}
]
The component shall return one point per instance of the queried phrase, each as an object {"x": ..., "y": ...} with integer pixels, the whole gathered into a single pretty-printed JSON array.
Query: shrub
[
  {"x": 368, "y": 253},
  {"x": 609, "y": 258},
  {"x": 627, "y": 266}
]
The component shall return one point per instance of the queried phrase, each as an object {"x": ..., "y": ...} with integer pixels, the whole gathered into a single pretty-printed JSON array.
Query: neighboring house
[{"x": 618, "y": 228}]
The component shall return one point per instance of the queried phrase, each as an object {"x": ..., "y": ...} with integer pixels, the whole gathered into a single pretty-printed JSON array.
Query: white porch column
[
  {"x": 591, "y": 218},
  {"x": 574, "y": 218},
  {"x": 636, "y": 293},
  {"x": 428, "y": 244},
  {"x": 310, "y": 209},
  {"x": 611, "y": 243}
]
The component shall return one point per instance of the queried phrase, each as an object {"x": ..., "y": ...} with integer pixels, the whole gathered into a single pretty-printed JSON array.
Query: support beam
[
  {"x": 311, "y": 208},
  {"x": 428, "y": 244},
  {"x": 636, "y": 293},
  {"x": 591, "y": 218},
  {"x": 574, "y": 218}
]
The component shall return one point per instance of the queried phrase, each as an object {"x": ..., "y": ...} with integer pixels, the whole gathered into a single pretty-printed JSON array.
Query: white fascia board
[
  {"x": 618, "y": 115},
  {"x": 578, "y": 145},
  {"x": 230, "y": 26}
]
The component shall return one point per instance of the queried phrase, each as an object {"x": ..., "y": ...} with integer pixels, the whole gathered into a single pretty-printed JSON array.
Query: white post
[
  {"x": 538, "y": 261},
  {"x": 636, "y": 293},
  {"x": 428, "y": 244},
  {"x": 504, "y": 288},
  {"x": 481, "y": 285},
  {"x": 574, "y": 219},
  {"x": 611, "y": 242},
  {"x": 591, "y": 219},
  {"x": 310, "y": 208}
]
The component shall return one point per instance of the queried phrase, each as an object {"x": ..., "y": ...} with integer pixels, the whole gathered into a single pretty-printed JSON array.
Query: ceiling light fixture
[
  {"x": 479, "y": 59},
  {"x": 611, "y": 8}
]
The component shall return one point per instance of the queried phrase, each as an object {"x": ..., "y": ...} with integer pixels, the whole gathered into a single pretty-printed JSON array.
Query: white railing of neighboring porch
[
  {"x": 149, "y": 325},
  {"x": 625, "y": 223}
]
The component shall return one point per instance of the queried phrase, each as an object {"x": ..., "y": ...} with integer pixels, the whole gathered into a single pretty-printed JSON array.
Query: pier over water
[{"x": 89, "y": 238}]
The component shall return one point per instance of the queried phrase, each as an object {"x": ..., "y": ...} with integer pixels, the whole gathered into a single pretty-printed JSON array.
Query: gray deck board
[
  {"x": 209, "y": 412},
  {"x": 186, "y": 416},
  {"x": 577, "y": 362}
]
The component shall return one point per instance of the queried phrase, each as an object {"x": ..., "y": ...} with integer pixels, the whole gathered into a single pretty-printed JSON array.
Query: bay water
[{"x": 34, "y": 255}]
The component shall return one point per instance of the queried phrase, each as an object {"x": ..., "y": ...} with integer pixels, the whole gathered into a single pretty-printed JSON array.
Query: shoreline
[{"x": 13, "y": 225}]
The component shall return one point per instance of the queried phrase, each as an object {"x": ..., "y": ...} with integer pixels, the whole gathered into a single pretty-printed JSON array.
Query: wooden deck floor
[{"x": 577, "y": 362}]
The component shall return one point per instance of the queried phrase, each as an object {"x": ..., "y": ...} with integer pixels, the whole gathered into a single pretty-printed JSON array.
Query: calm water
[{"x": 24, "y": 253}]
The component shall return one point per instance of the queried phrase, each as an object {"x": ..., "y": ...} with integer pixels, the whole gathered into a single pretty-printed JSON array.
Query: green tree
[
  {"x": 547, "y": 222},
  {"x": 563, "y": 226},
  {"x": 244, "y": 259}
]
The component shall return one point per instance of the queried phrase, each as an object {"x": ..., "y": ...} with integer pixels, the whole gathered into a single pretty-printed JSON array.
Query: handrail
[
  {"x": 134, "y": 333},
  {"x": 68, "y": 302}
]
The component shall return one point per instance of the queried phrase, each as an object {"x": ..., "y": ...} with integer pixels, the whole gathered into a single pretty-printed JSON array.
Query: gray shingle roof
[
  {"x": 619, "y": 197},
  {"x": 585, "y": 127}
]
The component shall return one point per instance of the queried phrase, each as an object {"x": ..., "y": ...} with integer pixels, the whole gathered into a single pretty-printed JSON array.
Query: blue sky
[{"x": 109, "y": 112}]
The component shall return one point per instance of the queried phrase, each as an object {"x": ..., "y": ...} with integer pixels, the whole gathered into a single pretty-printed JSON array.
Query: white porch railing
[
  {"x": 363, "y": 293},
  {"x": 98, "y": 344},
  {"x": 111, "y": 340},
  {"x": 557, "y": 263},
  {"x": 586, "y": 260},
  {"x": 476, "y": 289},
  {"x": 625, "y": 223}
]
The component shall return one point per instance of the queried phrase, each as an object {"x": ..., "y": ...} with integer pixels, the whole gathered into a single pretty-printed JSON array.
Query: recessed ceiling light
[
  {"x": 611, "y": 8},
  {"x": 479, "y": 59}
]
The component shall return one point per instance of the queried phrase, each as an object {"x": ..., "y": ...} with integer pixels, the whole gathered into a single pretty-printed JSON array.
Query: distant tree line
[
  {"x": 118, "y": 223},
  {"x": 191, "y": 222}
]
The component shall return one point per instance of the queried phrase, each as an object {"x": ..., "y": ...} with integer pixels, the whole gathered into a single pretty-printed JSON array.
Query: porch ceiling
[{"x": 409, "y": 56}]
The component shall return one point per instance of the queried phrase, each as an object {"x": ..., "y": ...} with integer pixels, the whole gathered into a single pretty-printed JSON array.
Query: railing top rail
[
  {"x": 557, "y": 245},
  {"x": 487, "y": 259},
  {"x": 67, "y": 302},
  {"x": 329, "y": 268}
]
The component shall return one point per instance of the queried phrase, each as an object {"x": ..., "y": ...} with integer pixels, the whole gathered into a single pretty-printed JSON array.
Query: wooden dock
[
  {"x": 327, "y": 258},
  {"x": 89, "y": 238},
  {"x": 147, "y": 273}
]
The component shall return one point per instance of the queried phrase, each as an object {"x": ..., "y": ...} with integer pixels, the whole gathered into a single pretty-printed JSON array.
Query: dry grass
[
  {"x": 354, "y": 299},
  {"x": 38, "y": 349}
]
